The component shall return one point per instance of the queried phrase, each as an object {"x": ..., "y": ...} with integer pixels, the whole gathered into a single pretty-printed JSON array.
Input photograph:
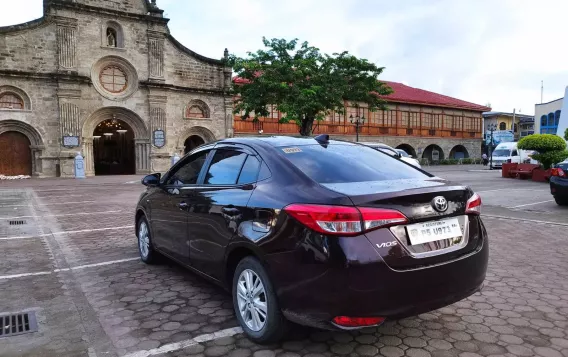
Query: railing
[{"x": 272, "y": 126}]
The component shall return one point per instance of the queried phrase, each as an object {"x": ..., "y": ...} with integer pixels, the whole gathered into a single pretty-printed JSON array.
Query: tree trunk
[{"x": 306, "y": 127}]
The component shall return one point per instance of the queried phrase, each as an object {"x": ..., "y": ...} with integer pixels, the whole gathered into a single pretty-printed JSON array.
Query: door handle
[{"x": 183, "y": 205}]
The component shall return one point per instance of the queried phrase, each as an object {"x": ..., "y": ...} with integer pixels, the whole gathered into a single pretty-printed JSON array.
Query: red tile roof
[{"x": 405, "y": 94}]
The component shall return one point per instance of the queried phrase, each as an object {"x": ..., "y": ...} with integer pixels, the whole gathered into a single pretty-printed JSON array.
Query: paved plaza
[{"x": 69, "y": 255}]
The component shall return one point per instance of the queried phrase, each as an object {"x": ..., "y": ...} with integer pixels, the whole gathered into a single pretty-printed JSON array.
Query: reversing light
[
  {"x": 346, "y": 321},
  {"x": 344, "y": 220},
  {"x": 473, "y": 205}
]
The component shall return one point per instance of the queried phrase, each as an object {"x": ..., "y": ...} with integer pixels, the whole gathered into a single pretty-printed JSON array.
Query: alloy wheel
[
  {"x": 251, "y": 297},
  {"x": 144, "y": 239}
]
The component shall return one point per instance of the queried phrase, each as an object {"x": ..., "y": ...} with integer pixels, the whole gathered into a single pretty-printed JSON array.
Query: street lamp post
[
  {"x": 358, "y": 122},
  {"x": 492, "y": 128}
]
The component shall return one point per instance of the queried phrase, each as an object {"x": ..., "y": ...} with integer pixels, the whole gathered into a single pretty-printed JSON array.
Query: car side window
[
  {"x": 249, "y": 172},
  {"x": 188, "y": 172},
  {"x": 515, "y": 153},
  {"x": 225, "y": 167}
]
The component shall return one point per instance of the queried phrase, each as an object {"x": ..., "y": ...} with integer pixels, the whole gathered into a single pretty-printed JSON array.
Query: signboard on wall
[
  {"x": 435, "y": 155},
  {"x": 70, "y": 141},
  {"x": 159, "y": 138}
]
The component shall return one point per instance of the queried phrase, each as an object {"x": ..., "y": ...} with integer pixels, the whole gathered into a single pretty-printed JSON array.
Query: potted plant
[{"x": 551, "y": 150}]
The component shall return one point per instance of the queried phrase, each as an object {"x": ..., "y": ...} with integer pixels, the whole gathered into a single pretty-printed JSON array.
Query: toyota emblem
[{"x": 440, "y": 204}]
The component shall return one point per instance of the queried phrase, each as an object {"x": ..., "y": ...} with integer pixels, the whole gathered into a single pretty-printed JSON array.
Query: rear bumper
[
  {"x": 559, "y": 187},
  {"x": 363, "y": 285}
]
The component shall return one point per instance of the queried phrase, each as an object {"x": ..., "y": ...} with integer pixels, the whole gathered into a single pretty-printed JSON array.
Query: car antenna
[{"x": 322, "y": 138}]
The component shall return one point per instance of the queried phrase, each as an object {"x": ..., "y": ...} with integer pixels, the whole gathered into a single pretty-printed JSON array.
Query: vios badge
[{"x": 440, "y": 204}]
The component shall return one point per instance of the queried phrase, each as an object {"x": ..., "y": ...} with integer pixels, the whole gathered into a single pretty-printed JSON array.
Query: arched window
[
  {"x": 195, "y": 112},
  {"x": 503, "y": 126},
  {"x": 10, "y": 100},
  {"x": 549, "y": 123},
  {"x": 112, "y": 37},
  {"x": 196, "y": 109}
]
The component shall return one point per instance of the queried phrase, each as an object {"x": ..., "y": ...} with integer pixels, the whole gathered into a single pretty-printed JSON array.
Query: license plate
[{"x": 432, "y": 231}]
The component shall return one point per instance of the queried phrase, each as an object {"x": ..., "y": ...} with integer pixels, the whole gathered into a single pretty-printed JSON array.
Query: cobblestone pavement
[{"x": 74, "y": 262}]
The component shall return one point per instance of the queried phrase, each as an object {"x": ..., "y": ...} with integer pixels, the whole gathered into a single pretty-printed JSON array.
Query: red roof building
[{"x": 418, "y": 121}]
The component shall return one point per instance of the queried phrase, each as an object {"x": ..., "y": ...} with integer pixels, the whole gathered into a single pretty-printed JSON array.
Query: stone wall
[{"x": 28, "y": 48}]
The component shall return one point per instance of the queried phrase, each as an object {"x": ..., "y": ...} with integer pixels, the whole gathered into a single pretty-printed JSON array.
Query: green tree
[
  {"x": 566, "y": 134},
  {"x": 551, "y": 148},
  {"x": 303, "y": 83}
]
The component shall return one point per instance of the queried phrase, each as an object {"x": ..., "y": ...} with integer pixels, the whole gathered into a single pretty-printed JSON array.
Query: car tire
[
  {"x": 561, "y": 201},
  {"x": 145, "y": 248},
  {"x": 274, "y": 326}
]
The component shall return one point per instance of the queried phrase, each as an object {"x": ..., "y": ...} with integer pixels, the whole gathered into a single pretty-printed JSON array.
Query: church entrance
[
  {"x": 113, "y": 148},
  {"x": 192, "y": 142},
  {"x": 15, "y": 154}
]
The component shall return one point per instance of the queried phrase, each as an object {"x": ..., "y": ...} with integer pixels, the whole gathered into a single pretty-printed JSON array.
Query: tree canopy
[
  {"x": 551, "y": 148},
  {"x": 302, "y": 83}
]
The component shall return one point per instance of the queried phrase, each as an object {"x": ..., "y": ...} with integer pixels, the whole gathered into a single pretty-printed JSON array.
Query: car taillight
[
  {"x": 346, "y": 321},
  {"x": 344, "y": 220},
  {"x": 473, "y": 205},
  {"x": 558, "y": 172}
]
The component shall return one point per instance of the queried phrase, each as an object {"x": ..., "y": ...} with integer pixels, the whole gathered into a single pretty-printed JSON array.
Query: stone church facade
[{"x": 105, "y": 77}]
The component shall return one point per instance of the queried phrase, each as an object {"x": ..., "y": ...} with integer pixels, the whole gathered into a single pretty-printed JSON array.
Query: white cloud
[{"x": 481, "y": 51}]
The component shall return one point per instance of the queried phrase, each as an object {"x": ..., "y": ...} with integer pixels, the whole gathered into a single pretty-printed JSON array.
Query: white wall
[
  {"x": 544, "y": 109},
  {"x": 563, "y": 123}
]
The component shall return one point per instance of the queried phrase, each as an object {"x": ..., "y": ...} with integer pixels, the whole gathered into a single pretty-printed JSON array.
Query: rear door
[{"x": 219, "y": 206}]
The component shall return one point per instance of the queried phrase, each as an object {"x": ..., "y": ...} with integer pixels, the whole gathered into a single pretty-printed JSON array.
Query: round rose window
[{"x": 113, "y": 79}]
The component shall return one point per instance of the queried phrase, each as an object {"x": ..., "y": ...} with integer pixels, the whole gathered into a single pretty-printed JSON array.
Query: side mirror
[{"x": 152, "y": 180}]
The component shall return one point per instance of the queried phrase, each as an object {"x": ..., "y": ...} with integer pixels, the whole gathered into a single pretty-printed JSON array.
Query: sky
[{"x": 482, "y": 51}]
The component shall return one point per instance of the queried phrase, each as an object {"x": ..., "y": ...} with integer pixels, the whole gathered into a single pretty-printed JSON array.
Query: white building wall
[{"x": 544, "y": 109}]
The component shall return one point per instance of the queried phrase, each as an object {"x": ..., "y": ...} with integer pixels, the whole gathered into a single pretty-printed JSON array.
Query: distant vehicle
[
  {"x": 398, "y": 153},
  {"x": 320, "y": 232},
  {"x": 508, "y": 153},
  {"x": 559, "y": 183}
]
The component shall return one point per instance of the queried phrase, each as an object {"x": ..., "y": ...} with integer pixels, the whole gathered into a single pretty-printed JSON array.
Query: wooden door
[{"x": 15, "y": 154}]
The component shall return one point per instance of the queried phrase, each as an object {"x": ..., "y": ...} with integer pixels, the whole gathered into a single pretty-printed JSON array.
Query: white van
[{"x": 508, "y": 152}]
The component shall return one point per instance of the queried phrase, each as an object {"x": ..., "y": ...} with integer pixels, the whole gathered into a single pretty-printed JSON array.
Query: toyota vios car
[{"x": 315, "y": 231}]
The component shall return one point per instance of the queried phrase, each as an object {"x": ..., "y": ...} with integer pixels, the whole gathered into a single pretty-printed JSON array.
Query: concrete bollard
[
  {"x": 175, "y": 158},
  {"x": 79, "y": 166}
]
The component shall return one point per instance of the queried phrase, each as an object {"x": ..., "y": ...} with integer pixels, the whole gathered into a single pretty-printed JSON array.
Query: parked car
[
  {"x": 559, "y": 183},
  {"x": 307, "y": 230},
  {"x": 398, "y": 153}
]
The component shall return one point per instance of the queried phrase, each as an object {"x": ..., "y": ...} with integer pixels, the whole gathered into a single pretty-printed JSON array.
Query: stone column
[
  {"x": 37, "y": 165},
  {"x": 156, "y": 56},
  {"x": 142, "y": 152},
  {"x": 88, "y": 154}
]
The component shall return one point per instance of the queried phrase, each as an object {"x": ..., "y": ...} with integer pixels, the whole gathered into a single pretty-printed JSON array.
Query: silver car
[{"x": 398, "y": 153}]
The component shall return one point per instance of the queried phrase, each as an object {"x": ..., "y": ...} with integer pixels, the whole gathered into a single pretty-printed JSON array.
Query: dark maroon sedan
[{"x": 320, "y": 232}]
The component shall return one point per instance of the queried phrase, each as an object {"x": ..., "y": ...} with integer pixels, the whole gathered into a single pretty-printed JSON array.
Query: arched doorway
[
  {"x": 192, "y": 142},
  {"x": 16, "y": 154},
  {"x": 134, "y": 142},
  {"x": 113, "y": 148},
  {"x": 433, "y": 153},
  {"x": 459, "y": 152},
  {"x": 408, "y": 149}
]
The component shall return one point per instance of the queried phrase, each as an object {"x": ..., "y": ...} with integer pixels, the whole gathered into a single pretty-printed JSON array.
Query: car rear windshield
[
  {"x": 563, "y": 166},
  {"x": 338, "y": 163}
]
